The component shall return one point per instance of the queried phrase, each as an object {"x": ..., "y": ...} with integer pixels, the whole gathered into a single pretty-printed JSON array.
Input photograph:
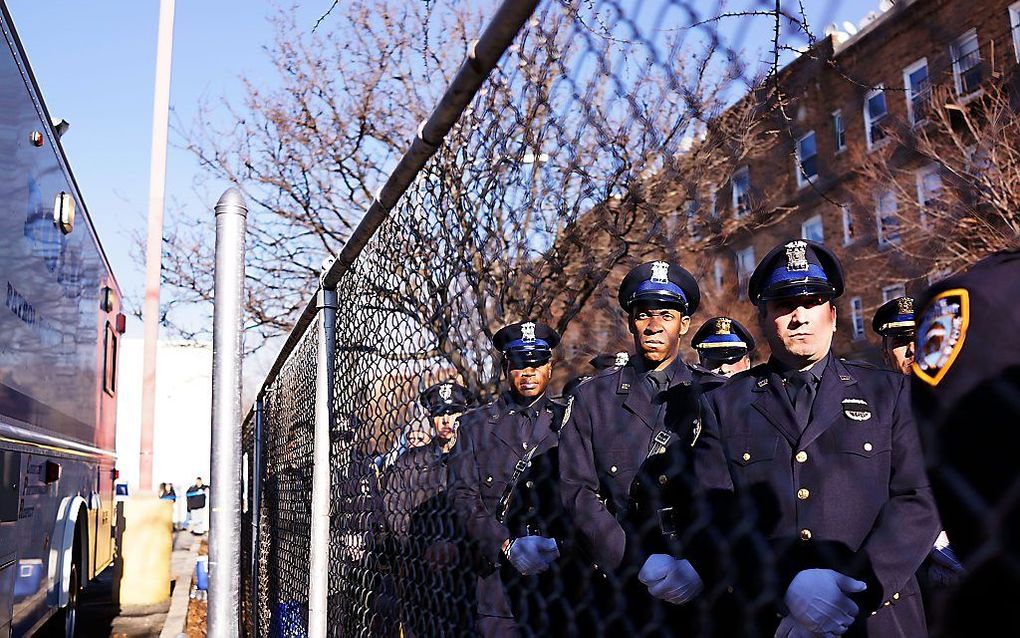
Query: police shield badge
[
  {"x": 940, "y": 334},
  {"x": 856, "y": 409}
]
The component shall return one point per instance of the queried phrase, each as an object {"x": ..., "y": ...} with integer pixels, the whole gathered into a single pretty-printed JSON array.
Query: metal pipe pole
[
  {"x": 154, "y": 242},
  {"x": 225, "y": 465},
  {"x": 318, "y": 558}
]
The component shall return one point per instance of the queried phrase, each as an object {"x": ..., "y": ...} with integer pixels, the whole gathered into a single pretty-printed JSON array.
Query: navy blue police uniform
[
  {"x": 490, "y": 467},
  {"x": 841, "y": 487},
  {"x": 966, "y": 380},
  {"x": 433, "y": 574},
  {"x": 617, "y": 420}
]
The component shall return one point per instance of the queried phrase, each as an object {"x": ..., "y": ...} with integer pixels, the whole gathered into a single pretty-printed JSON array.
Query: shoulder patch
[{"x": 941, "y": 332}]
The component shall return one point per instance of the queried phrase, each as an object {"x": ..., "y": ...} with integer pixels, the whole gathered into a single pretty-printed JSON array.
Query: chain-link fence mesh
[{"x": 611, "y": 134}]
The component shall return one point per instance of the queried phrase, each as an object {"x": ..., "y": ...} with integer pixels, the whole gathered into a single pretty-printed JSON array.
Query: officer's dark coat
[
  {"x": 435, "y": 600},
  {"x": 849, "y": 494},
  {"x": 606, "y": 440},
  {"x": 489, "y": 445}
]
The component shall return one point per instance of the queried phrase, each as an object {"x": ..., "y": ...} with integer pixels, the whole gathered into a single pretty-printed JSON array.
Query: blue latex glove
[
  {"x": 817, "y": 599},
  {"x": 790, "y": 628},
  {"x": 532, "y": 554},
  {"x": 945, "y": 569},
  {"x": 670, "y": 579}
]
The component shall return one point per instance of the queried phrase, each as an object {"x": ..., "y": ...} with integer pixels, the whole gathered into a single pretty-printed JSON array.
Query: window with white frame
[
  {"x": 929, "y": 188},
  {"x": 740, "y": 188},
  {"x": 857, "y": 318},
  {"x": 1014, "y": 27},
  {"x": 811, "y": 229},
  {"x": 875, "y": 113},
  {"x": 745, "y": 266},
  {"x": 807, "y": 159},
  {"x": 918, "y": 90},
  {"x": 720, "y": 273},
  {"x": 849, "y": 232},
  {"x": 888, "y": 222},
  {"x": 967, "y": 68},
  {"x": 839, "y": 130},
  {"x": 894, "y": 291}
]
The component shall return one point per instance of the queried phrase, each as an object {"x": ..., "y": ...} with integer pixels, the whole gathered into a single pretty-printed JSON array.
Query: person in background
[
  {"x": 894, "y": 322},
  {"x": 724, "y": 346},
  {"x": 198, "y": 511}
]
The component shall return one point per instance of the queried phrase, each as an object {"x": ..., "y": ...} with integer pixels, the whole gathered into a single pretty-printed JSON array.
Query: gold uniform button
[
  {"x": 612, "y": 469},
  {"x": 529, "y": 484},
  {"x": 805, "y": 534},
  {"x": 868, "y": 447},
  {"x": 801, "y": 456},
  {"x": 663, "y": 479},
  {"x": 747, "y": 456},
  {"x": 803, "y": 493},
  {"x": 896, "y": 596},
  {"x": 887, "y": 603}
]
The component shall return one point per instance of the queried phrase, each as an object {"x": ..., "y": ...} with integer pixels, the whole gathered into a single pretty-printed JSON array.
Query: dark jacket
[
  {"x": 490, "y": 442},
  {"x": 849, "y": 494}
]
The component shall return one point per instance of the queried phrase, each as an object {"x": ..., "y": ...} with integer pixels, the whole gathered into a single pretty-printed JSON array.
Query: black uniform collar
[
  {"x": 676, "y": 372},
  {"x": 515, "y": 404},
  {"x": 816, "y": 370}
]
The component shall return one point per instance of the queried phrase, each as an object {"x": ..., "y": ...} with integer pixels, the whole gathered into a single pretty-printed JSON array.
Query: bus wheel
[{"x": 68, "y": 616}]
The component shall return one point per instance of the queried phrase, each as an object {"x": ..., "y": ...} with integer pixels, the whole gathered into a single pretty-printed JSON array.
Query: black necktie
[{"x": 801, "y": 389}]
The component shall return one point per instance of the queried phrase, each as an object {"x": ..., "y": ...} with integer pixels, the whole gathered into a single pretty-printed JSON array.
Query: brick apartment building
[{"x": 842, "y": 98}]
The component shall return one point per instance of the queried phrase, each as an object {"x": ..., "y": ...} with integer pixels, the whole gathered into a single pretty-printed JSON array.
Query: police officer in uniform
[
  {"x": 724, "y": 346},
  {"x": 824, "y": 456},
  {"x": 618, "y": 419},
  {"x": 966, "y": 382},
  {"x": 894, "y": 322},
  {"x": 433, "y": 574},
  {"x": 496, "y": 444}
]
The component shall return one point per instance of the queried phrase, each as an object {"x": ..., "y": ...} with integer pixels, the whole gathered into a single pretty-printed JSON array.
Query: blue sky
[{"x": 95, "y": 64}]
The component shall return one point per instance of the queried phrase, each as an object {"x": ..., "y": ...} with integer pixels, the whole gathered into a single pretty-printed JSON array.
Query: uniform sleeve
[
  {"x": 710, "y": 465},
  {"x": 482, "y": 527},
  {"x": 603, "y": 535},
  {"x": 908, "y": 522}
]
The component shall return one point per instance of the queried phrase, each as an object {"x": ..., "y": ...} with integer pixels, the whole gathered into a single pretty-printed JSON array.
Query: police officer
[
  {"x": 618, "y": 419},
  {"x": 894, "y": 322},
  {"x": 825, "y": 455},
  {"x": 966, "y": 380},
  {"x": 433, "y": 574},
  {"x": 724, "y": 346},
  {"x": 496, "y": 444}
]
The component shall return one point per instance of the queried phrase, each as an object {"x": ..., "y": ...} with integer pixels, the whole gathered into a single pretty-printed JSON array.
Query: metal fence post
[
  {"x": 225, "y": 518},
  {"x": 257, "y": 469},
  {"x": 318, "y": 558}
]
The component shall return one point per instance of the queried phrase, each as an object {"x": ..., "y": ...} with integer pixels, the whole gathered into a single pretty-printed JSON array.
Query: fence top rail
[{"x": 482, "y": 58}]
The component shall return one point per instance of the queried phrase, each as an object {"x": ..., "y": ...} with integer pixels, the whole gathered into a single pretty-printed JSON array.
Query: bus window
[{"x": 110, "y": 360}]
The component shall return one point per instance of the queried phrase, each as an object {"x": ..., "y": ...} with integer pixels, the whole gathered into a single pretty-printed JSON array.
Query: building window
[
  {"x": 893, "y": 292},
  {"x": 967, "y": 68},
  {"x": 875, "y": 113},
  {"x": 937, "y": 275},
  {"x": 692, "y": 222},
  {"x": 807, "y": 159},
  {"x": 848, "y": 224},
  {"x": 745, "y": 266},
  {"x": 929, "y": 188},
  {"x": 886, "y": 218},
  {"x": 839, "y": 130},
  {"x": 1014, "y": 27},
  {"x": 740, "y": 187},
  {"x": 857, "y": 318},
  {"x": 720, "y": 273},
  {"x": 811, "y": 229},
  {"x": 918, "y": 90}
]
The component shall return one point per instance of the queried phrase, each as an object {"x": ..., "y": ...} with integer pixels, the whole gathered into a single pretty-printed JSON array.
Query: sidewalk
[{"x": 99, "y": 616}]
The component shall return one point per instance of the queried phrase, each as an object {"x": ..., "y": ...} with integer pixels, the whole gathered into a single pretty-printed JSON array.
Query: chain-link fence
[{"x": 611, "y": 134}]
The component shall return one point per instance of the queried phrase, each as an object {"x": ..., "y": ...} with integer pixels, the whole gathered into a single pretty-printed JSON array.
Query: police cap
[
  {"x": 606, "y": 361},
  {"x": 722, "y": 339},
  {"x": 527, "y": 342},
  {"x": 660, "y": 284},
  {"x": 895, "y": 318},
  {"x": 795, "y": 268},
  {"x": 445, "y": 398}
]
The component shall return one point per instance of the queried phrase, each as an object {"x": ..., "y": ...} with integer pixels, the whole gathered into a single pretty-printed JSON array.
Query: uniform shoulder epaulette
[{"x": 857, "y": 363}]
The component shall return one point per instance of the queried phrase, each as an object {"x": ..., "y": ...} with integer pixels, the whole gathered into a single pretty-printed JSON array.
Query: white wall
[{"x": 183, "y": 413}]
